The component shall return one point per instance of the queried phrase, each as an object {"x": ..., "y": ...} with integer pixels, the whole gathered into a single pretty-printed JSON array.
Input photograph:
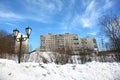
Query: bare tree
[
  {"x": 61, "y": 58},
  {"x": 3, "y": 33},
  {"x": 6, "y": 43},
  {"x": 62, "y": 55},
  {"x": 111, "y": 28}
]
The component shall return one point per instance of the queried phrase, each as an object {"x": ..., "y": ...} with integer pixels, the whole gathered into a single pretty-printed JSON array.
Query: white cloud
[
  {"x": 10, "y": 15},
  {"x": 90, "y": 6},
  {"x": 76, "y": 20},
  {"x": 86, "y": 22},
  {"x": 42, "y": 10},
  {"x": 45, "y": 11},
  {"x": 88, "y": 16},
  {"x": 44, "y": 6},
  {"x": 108, "y": 4},
  {"x": 38, "y": 10},
  {"x": 93, "y": 33},
  {"x": 10, "y": 24},
  {"x": 64, "y": 27},
  {"x": 93, "y": 11},
  {"x": 6, "y": 13}
]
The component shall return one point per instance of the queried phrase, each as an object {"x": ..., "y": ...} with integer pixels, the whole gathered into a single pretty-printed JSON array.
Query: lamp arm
[
  {"x": 24, "y": 38},
  {"x": 21, "y": 39},
  {"x": 17, "y": 39}
]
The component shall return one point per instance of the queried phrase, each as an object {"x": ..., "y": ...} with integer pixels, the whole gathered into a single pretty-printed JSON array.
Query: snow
[
  {"x": 48, "y": 57},
  {"x": 10, "y": 70},
  {"x": 52, "y": 57},
  {"x": 39, "y": 56}
]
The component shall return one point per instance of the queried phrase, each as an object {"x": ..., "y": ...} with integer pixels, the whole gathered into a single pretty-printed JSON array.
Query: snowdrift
[
  {"x": 53, "y": 57},
  {"x": 10, "y": 70},
  {"x": 48, "y": 57}
]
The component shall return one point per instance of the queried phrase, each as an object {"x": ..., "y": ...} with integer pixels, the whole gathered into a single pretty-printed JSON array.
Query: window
[
  {"x": 95, "y": 46},
  {"x": 75, "y": 39},
  {"x": 76, "y": 43},
  {"x": 85, "y": 42},
  {"x": 94, "y": 41}
]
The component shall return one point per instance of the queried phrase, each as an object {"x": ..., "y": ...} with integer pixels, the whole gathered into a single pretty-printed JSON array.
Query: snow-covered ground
[{"x": 10, "y": 70}]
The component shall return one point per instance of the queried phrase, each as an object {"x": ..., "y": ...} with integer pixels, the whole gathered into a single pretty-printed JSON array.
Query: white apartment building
[
  {"x": 88, "y": 43},
  {"x": 53, "y": 42},
  {"x": 67, "y": 41}
]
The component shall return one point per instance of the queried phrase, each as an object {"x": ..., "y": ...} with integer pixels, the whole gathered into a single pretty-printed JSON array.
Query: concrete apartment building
[
  {"x": 88, "y": 43},
  {"x": 67, "y": 41},
  {"x": 52, "y": 42}
]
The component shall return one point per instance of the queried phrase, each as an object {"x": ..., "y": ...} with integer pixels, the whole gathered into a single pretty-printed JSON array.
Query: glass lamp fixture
[
  {"x": 15, "y": 33},
  {"x": 28, "y": 31}
]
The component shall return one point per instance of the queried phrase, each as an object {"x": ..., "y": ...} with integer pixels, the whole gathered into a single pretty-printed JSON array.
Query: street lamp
[{"x": 21, "y": 39}]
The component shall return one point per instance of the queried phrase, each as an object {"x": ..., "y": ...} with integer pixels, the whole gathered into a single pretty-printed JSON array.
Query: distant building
[
  {"x": 66, "y": 42},
  {"x": 88, "y": 43},
  {"x": 52, "y": 42},
  {"x": 24, "y": 44},
  {"x": 11, "y": 46}
]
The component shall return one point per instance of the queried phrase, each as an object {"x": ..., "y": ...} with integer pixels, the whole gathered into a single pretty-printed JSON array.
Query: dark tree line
[{"x": 6, "y": 43}]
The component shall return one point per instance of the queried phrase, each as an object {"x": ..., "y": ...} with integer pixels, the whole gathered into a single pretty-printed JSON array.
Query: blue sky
[{"x": 55, "y": 16}]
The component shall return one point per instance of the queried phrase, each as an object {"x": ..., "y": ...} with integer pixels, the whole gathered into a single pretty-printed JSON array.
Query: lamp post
[{"x": 21, "y": 39}]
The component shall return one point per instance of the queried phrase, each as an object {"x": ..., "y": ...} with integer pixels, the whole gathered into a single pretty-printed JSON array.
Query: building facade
[
  {"x": 24, "y": 44},
  {"x": 53, "y": 42},
  {"x": 88, "y": 44},
  {"x": 9, "y": 45},
  {"x": 66, "y": 42}
]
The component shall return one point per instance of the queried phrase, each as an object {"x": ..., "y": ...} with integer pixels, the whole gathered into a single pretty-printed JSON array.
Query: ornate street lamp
[{"x": 21, "y": 39}]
